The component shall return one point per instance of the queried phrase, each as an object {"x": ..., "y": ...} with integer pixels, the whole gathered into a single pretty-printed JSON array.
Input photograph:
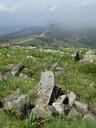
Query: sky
[{"x": 42, "y": 12}]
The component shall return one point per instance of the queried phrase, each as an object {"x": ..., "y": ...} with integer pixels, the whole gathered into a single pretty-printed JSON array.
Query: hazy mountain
[{"x": 54, "y": 34}]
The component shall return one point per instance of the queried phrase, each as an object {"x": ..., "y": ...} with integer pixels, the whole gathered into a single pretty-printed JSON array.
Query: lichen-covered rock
[
  {"x": 17, "y": 104},
  {"x": 43, "y": 111},
  {"x": 45, "y": 88}
]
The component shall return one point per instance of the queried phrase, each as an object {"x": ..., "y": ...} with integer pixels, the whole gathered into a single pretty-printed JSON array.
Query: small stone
[
  {"x": 23, "y": 76},
  {"x": 89, "y": 117},
  {"x": 58, "y": 105},
  {"x": 81, "y": 107},
  {"x": 61, "y": 105},
  {"x": 72, "y": 98}
]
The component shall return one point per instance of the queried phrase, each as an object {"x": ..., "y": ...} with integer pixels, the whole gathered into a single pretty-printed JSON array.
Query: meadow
[{"x": 77, "y": 77}]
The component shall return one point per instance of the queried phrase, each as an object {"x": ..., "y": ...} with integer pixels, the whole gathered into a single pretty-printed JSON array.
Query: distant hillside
[{"x": 51, "y": 35}]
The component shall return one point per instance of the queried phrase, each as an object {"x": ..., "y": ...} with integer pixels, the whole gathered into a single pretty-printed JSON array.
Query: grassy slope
[{"x": 77, "y": 77}]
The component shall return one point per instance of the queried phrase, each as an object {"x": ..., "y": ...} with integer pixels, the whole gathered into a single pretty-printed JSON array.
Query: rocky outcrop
[
  {"x": 50, "y": 100},
  {"x": 50, "y": 96},
  {"x": 20, "y": 71}
]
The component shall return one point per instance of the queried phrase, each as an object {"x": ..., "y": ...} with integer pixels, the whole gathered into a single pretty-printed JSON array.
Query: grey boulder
[
  {"x": 17, "y": 104},
  {"x": 43, "y": 111}
]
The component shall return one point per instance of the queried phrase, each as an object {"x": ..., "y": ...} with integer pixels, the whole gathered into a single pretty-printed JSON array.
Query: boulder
[
  {"x": 45, "y": 88},
  {"x": 81, "y": 107},
  {"x": 89, "y": 57},
  {"x": 17, "y": 104},
  {"x": 43, "y": 111}
]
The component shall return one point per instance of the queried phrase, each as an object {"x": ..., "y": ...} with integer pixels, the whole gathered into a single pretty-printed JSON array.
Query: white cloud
[
  {"x": 53, "y": 8},
  {"x": 41, "y": 5},
  {"x": 88, "y": 2},
  {"x": 17, "y": 7},
  {"x": 83, "y": 3},
  {"x": 9, "y": 7}
]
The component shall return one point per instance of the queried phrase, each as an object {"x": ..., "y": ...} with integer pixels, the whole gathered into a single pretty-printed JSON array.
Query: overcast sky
[{"x": 40, "y": 12}]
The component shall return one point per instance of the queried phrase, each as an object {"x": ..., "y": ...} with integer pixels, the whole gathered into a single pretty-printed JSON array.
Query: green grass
[
  {"x": 77, "y": 77},
  {"x": 69, "y": 123}
]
